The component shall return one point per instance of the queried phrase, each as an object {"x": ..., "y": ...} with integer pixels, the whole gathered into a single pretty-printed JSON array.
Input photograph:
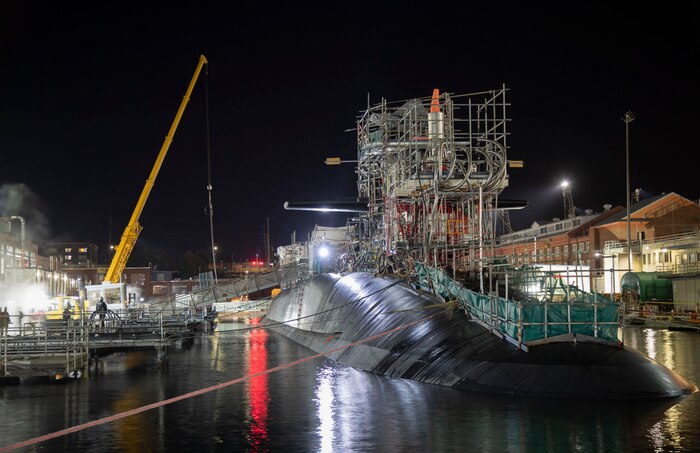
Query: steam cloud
[{"x": 18, "y": 199}]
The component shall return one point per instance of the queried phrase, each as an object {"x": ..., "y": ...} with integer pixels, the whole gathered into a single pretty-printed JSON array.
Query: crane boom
[{"x": 133, "y": 228}]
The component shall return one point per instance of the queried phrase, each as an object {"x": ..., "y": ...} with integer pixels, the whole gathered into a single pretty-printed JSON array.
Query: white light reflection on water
[
  {"x": 667, "y": 432},
  {"x": 669, "y": 356},
  {"x": 324, "y": 403},
  {"x": 650, "y": 342}
]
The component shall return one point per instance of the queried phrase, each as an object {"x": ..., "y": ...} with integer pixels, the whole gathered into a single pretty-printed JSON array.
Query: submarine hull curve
[{"x": 329, "y": 311}]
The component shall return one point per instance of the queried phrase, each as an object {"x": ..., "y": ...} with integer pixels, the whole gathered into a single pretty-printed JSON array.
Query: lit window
[
  {"x": 82, "y": 250},
  {"x": 67, "y": 250}
]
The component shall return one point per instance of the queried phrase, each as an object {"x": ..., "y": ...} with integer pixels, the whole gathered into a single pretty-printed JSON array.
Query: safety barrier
[{"x": 526, "y": 322}]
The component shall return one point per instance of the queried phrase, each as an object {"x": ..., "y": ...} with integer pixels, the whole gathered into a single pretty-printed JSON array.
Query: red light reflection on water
[{"x": 258, "y": 395}]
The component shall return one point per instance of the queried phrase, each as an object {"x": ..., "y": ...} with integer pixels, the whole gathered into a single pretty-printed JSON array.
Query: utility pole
[
  {"x": 268, "y": 247},
  {"x": 628, "y": 118}
]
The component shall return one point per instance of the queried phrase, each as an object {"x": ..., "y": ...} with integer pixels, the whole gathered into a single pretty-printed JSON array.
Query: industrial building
[{"x": 665, "y": 240}]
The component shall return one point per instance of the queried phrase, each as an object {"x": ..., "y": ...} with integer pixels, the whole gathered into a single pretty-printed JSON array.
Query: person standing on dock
[
  {"x": 20, "y": 316},
  {"x": 101, "y": 309},
  {"x": 66, "y": 314},
  {"x": 4, "y": 322}
]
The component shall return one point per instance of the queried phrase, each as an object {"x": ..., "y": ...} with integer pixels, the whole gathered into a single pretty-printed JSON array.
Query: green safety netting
[{"x": 528, "y": 318}]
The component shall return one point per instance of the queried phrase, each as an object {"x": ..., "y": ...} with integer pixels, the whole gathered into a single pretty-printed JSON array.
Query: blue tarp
[{"x": 528, "y": 318}]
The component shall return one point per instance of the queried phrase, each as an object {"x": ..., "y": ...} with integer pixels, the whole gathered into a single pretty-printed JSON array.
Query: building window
[
  {"x": 559, "y": 226},
  {"x": 566, "y": 250},
  {"x": 588, "y": 246},
  {"x": 574, "y": 248},
  {"x": 557, "y": 250},
  {"x": 67, "y": 249},
  {"x": 543, "y": 230},
  {"x": 644, "y": 259},
  {"x": 68, "y": 257},
  {"x": 82, "y": 250},
  {"x": 664, "y": 257}
]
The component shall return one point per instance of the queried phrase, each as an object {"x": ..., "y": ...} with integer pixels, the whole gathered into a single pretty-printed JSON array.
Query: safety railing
[
  {"x": 523, "y": 323},
  {"x": 65, "y": 341}
]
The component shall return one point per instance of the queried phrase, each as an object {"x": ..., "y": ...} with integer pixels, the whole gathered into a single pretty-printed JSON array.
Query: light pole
[
  {"x": 214, "y": 250},
  {"x": 628, "y": 118}
]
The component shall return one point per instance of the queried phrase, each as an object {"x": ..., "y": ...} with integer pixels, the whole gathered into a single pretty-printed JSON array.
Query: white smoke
[
  {"x": 17, "y": 199},
  {"x": 29, "y": 300}
]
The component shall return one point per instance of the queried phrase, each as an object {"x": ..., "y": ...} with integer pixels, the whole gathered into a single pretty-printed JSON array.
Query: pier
[
  {"x": 57, "y": 349},
  {"x": 54, "y": 349}
]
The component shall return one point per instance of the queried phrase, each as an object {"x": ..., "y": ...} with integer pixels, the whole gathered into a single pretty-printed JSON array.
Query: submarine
[{"x": 329, "y": 311}]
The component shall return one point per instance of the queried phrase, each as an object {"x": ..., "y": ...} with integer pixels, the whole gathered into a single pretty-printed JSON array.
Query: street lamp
[{"x": 628, "y": 118}]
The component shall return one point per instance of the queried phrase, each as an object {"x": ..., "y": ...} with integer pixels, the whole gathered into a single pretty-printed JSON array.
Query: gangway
[{"x": 224, "y": 291}]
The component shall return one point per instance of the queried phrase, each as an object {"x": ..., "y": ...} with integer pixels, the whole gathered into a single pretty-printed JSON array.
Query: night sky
[{"x": 89, "y": 93}]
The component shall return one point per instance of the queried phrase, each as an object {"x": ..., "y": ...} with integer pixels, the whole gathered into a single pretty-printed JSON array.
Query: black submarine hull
[{"x": 329, "y": 311}]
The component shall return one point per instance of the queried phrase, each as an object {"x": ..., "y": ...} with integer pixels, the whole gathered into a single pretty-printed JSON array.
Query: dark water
[{"x": 322, "y": 406}]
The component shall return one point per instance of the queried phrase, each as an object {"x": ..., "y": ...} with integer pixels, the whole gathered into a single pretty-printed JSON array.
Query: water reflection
[
  {"x": 322, "y": 406},
  {"x": 324, "y": 402},
  {"x": 258, "y": 396},
  {"x": 650, "y": 342},
  {"x": 129, "y": 429}
]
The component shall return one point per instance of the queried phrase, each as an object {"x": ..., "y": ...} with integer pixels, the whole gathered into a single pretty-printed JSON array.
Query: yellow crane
[{"x": 132, "y": 230}]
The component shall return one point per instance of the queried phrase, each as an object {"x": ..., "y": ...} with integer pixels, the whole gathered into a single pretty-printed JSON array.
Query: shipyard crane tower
[{"x": 112, "y": 288}]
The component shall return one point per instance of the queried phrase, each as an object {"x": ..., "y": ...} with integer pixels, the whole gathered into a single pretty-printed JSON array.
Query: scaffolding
[{"x": 431, "y": 170}]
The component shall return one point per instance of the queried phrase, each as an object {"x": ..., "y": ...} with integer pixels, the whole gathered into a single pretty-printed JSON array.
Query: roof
[{"x": 641, "y": 204}]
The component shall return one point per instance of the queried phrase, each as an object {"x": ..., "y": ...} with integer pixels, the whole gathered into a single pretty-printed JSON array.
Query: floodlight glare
[
  {"x": 564, "y": 184},
  {"x": 323, "y": 252}
]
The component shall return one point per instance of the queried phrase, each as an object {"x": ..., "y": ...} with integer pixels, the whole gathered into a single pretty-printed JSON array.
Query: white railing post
[
  {"x": 595, "y": 319},
  {"x": 546, "y": 307}
]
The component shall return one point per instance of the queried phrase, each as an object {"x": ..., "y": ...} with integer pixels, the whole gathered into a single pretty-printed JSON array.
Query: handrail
[{"x": 513, "y": 319}]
